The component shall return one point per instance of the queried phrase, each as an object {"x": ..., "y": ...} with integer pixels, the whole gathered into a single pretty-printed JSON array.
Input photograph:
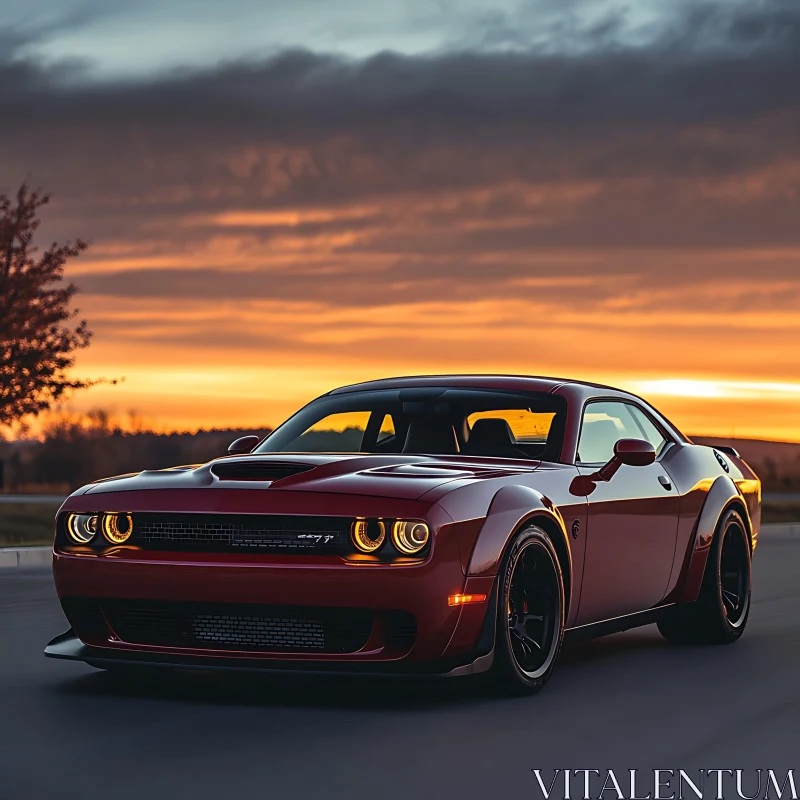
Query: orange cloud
[{"x": 204, "y": 362}]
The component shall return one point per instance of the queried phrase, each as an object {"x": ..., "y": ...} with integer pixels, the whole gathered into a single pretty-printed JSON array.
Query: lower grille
[
  {"x": 264, "y": 632},
  {"x": 239, "y": 627},
  {"x": 85, "y": 618},
  {"x": 401, "y": 630}
]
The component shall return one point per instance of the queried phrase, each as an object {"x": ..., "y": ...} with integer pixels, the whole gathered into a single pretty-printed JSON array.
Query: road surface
[{"x": 627, "y": 701}]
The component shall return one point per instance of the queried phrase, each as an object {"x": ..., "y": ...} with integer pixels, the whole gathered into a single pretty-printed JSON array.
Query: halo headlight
[
  {"x": 81, "y": 528},
  {"x": 410, "y": 536},
  {"x": 117, "y": 527},
  {"x": 368, "y": 535}
]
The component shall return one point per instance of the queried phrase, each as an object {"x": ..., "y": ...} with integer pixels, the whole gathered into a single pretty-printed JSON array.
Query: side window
[
  {"x": 604, "y": 424},
  {"x": 649, "y": 429}
]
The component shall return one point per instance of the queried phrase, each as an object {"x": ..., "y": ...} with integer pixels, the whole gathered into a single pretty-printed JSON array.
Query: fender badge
[{"x": 576, "y": 528}]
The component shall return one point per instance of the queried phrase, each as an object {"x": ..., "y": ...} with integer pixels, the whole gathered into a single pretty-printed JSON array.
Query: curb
[{"x": 26, "y": 556}]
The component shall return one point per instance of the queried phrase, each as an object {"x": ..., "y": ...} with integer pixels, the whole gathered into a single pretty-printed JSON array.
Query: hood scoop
[
  {"x": 257, "y": 470},
  {"x": 445, "y": 470},
  {"x": 423, "y": 471}
]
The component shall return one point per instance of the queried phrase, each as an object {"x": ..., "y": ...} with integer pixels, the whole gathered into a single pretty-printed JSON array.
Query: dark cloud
[
  {"x": 689, "y": 141},
  {"x": 722, "y": 59}
]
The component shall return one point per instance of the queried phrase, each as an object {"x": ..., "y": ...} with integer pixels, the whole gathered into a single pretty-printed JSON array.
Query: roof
[{"x": 529, "y": 383}]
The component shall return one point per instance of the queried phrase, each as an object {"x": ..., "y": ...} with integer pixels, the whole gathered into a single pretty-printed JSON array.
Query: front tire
[
  {"x": 530, "y": 614},
  {"x": 720, "y": 613}
]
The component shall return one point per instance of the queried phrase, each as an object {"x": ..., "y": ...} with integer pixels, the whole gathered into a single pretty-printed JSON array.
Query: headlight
[
  {"x": 82, "y": 527},
  {"x": 410, "y": 537},
  {"x": 117, "y": 527},
  {"x": 368, "y": 535}
]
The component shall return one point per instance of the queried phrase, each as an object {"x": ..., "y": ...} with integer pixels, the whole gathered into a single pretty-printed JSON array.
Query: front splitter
[{"x": 69, "y": 647}]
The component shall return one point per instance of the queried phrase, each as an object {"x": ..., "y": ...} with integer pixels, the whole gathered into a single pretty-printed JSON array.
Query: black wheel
[
  {"x": 719, "y": 615},
  {"x": 530, "y": 614}
]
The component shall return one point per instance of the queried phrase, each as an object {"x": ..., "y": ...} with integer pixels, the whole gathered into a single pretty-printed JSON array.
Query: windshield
[{"x": 433, "y": 421}]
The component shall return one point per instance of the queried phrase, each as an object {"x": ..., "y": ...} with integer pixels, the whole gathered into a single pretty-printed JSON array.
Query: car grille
[
  {"x": 238, "y": 533},
  {"x": 239, "y": 627}
]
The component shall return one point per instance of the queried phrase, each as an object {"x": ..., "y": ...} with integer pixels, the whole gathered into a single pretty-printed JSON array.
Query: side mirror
[
  {"x": 242, "y": 445},
  {"x": 632, "y": 453}
]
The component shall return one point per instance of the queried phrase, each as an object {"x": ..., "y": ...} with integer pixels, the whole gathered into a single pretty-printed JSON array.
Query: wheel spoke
[
  {"x": 527, "y": 642},
  {"x": 730, "y": 599}
]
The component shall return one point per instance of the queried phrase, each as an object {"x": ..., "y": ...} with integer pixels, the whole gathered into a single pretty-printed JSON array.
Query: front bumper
[
  {"x": 229, "y": 581},
  {"x": 308, "y": 582},
  {"x": 226, "y": 581}
]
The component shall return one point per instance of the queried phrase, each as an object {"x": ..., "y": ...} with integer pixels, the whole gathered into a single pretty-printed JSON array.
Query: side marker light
[{"x": 464, "y": 599}]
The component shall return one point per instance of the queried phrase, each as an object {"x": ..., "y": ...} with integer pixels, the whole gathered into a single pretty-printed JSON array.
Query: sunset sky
[{"x": 285, "y": 197}]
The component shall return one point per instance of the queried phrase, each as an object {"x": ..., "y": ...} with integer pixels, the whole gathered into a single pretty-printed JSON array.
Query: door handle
[{"x": 665, "y": 482}]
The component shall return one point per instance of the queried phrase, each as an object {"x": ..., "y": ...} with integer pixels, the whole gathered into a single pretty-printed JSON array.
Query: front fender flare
[
  {"x": 722, "y": 494},
  {"x": 509, "y": 510}
]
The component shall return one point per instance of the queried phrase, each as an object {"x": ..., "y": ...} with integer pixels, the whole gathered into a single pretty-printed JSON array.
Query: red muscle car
[{"x": 446, "y": 525}]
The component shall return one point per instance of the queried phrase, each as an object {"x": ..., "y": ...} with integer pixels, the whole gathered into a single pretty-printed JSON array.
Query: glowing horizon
[
  {"x": 198, "y": 362},
  {"x": 192, "y": 400}
]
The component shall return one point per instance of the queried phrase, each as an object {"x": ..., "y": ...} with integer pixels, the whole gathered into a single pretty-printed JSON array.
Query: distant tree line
[{"x": 75, "y": 452}]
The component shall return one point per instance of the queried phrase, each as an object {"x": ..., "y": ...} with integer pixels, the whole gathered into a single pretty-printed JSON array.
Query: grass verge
[{"x": 27, "y": 524}]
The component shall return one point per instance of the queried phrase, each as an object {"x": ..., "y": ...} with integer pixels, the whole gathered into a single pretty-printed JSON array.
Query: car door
[{"x": 633, "y": 518}]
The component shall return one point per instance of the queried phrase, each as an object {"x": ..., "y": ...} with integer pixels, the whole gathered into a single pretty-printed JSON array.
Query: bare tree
[{"x": 38, "y": 335}]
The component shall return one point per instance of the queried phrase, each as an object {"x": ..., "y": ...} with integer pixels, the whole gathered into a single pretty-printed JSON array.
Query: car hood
[{"x": 408, "y": 477}]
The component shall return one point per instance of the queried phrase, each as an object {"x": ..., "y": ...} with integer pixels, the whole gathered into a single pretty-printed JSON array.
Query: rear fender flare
[
  {"x": 511, "y": 508},
  {"x": 721, "y": 496}
]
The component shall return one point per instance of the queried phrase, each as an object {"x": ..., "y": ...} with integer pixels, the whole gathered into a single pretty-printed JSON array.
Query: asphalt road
[{"x": 627, "y": 701}]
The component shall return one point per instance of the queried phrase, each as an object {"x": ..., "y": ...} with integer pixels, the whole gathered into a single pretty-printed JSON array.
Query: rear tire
[
  {"x": 720, "y": 613},
  {"x": 530, "y": 614}
]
